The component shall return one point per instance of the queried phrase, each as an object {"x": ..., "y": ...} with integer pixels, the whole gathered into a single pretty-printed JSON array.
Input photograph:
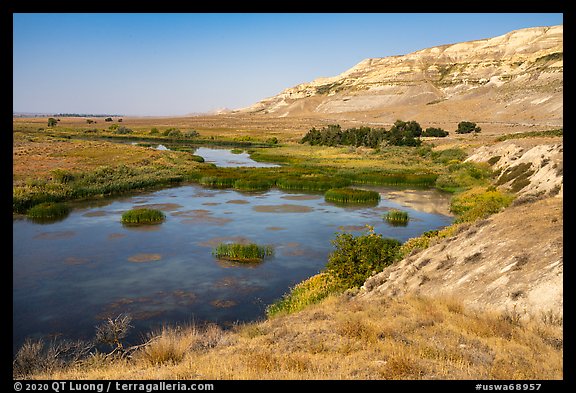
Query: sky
[{"x": 163, "y": 64}]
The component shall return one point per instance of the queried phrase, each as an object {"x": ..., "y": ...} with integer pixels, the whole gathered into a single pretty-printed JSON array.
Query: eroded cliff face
[
  {"x": 510, "y": 262},
  {"x": 516, "y": 77}
]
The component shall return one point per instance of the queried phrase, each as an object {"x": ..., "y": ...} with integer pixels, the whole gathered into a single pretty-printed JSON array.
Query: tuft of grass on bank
[{"x": 305, "y": 293}]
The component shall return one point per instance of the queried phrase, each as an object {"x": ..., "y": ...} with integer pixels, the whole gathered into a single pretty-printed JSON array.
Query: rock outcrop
[{"x": 516, "y": 77}]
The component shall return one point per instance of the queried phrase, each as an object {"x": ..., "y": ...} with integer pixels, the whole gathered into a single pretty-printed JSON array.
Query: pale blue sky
[{"x": 174, "y": 64}]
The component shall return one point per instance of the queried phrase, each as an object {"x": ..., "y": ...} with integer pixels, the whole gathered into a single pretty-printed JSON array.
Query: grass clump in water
[
  {"x": 242, "y": 252},
  {"x": 48, "y": 211},
  {"x": 142, "y": 216},
  {"x": 351, "y": 195},
  {"x": 397, "y": 217}
]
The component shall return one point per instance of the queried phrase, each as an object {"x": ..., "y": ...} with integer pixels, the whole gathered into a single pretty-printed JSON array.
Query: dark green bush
[
  {"x": 172, "y": 132},
  {"x": 432, "y": 131},
  {"x": 123, "y": 130},
  {"x": 191, "y": 134},
  {"x": 357, "y": 258},
  {"x": 466, "y": 127}
]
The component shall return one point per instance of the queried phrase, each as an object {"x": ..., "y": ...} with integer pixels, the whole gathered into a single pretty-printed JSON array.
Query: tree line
[{"x": 402, "y": 133}]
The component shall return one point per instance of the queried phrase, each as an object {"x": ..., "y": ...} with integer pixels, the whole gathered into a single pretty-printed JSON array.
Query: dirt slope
[{"x": 512, "y": 261}]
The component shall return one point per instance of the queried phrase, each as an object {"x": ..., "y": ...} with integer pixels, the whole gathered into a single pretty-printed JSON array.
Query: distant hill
[{"x": 516, "y": 78}]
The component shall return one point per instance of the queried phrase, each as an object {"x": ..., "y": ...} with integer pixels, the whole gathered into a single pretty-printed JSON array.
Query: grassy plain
[{"x": 76, "y": 160}]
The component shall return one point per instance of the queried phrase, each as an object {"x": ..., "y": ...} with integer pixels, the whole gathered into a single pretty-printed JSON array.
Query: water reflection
[
  {"x": 69, "y": 274},
  {"x": 225, "y": 158}
]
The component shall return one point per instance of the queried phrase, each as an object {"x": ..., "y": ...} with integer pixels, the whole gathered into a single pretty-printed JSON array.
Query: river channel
[{"x": 70, "y": 275}]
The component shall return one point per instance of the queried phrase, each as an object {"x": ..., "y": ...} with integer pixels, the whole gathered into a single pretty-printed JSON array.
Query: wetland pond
[{"x": 70, "y": 275}]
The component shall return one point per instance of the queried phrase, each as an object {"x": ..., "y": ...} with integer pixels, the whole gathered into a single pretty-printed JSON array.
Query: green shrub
[
  {"x": 62, "y": 176},
  {"x": 142, "y": 216},
  {"x": 432, "y": 131},
  {"x": 242, "y": 252},
  {"x": 462, "y": 176},
  {"x": 449, "y": 155},
  {"x": 466, "y": 127},
  {"x": 172, "y": 132},
  {"x": 123, "y": 130},
  {"x": 357, "y": 258},
  {"x": 351, "y": 195},
  {"x": 479, "y": 203},
  {"x": 191, "y": 134}
]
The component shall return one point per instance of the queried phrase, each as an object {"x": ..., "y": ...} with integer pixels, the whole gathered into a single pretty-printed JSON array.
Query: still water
[{"x": 70, "y": 275}]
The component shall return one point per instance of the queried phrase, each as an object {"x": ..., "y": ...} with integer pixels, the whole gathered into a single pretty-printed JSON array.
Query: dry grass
[
  {"x": 35, "y": 157},
  {"x": 348, "y": 338}
]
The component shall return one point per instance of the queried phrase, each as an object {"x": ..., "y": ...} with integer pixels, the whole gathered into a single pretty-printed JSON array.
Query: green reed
[
  {"x": 242, "y": 252},
  {"x": 48, "y": 211},
  {"x": 142, "y": 216},
  {"x": 351, "y": 195},
  {"x": 397, "y": 217}
]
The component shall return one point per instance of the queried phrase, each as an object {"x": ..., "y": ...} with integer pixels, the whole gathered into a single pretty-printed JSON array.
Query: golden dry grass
[{"x": 348, "y": 338}]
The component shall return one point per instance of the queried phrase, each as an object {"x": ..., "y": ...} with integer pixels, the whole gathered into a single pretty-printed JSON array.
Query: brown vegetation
[{"x": 349, "y": 338}]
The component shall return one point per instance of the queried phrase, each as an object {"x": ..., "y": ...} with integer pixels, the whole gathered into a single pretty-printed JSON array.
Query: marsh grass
[
  {"x": 247, "y": 253},
  {"x": 311, "y": 182},
  {"x": 253, "y": 184},
  {"x": 142, "y": 216},
  {"x": 351, "y": 195},
  {"x": 383, "y": 179},
  {"x": 217, "y": 181},
  {"x": 48, "y": 211},
  {"x": 397, "y": 217}
]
